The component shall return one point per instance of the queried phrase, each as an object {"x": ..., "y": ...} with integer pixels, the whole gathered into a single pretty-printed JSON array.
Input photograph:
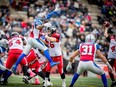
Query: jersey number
[
  {"x": 17, "y": 41},
  {"x": 87, "y": 50},
  {"x": 113, "y": 48},
  {"x": 51, "y": 45}
]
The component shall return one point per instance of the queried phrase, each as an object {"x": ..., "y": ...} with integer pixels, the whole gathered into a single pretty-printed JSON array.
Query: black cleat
[
  {"x": 113, "y": 84},
  {"x": 3, "y": 83},
  {"x": 25, "y": 80}
]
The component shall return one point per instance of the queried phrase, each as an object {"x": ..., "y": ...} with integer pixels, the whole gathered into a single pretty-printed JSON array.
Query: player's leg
[
  {"x": 60, "y": 69},
  {"x": 40, "y": 72},
  {"x": 25, "y": 52},
  {"x": 37, "y": 82},
  {"x": 5, "y": 73},
  {"x": 1, "y": 72},
  {"x": 9, "y": 64},
  {"x": 112, "y": 63},
  {"x": 80, "y": 70},
  {"x": 26, "y": 69},
  {"x": 39, "y": 44},
  {"x": 2, "y": 69},
  {"x": 97, "y": 70},
  {"x": 47, "y": 75}
]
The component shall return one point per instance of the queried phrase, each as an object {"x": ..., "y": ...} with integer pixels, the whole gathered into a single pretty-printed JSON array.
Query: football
[{"x": 106, "y": 24}]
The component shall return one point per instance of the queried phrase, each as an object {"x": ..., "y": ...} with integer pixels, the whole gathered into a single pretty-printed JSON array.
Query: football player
[
  {"x": 87, "y": 53},
  {"x": 111, "y": 38},
  {"x": 54, "y": 46},
  {"x": 34, "y": 40},
  {"x": 33, "y": 62},
  {"x": 15, "y": 49},
  {"x": 3, "y": 69}
]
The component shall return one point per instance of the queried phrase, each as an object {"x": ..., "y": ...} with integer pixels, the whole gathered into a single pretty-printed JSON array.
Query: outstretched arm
[
  {"x": 106, "y": 32},
  {"x": 69, "y": 66},
  {"x": 52, "y": 14},
  {"x": 74, "y": 55},
  {"x": 103, "y": 58}
]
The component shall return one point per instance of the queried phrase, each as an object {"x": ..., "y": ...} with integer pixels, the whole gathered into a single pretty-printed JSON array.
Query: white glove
[
  {"x": 69, "y": 66},
  {"x": 48, "y": 24},
  {"x": 109, "y": 67},
  {"x": 56, "y": 7}
]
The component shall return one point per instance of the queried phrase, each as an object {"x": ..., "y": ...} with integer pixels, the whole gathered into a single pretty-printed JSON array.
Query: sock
[
  {"x": 111, "y": 76},
  {"x": 30, "y": 71},
  {"x": 47, "y": 74},
  {"x": 20, "y": 58},
  {"x": 25, "y": 68},
  {"x": 1, "y": 72},
  {"x": 6, "y": 74},
  {"x": 104, "y": 80},
  {"x": 42, "y": 75},
  {"x": 63, "y": 80},
  {"x": 63, "y": 76},
  {"x": 75, "y": 77},
  {"x": 47, "y": 55},
  {"x": 51, "y": 14}
]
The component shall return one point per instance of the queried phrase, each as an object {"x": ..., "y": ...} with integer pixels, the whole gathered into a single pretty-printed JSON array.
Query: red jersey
[{"x": 87, "y": 51}]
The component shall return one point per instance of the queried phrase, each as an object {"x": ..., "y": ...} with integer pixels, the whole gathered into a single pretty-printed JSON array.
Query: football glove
[
  {"x": 109, "y": 67},
  {"x": 69, "y": 66}
]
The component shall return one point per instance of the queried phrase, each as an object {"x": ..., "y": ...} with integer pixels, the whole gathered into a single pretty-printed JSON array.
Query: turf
[{"x": 16, "y": 81}]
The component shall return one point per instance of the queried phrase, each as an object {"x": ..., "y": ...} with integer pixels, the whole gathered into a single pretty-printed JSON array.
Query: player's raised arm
[
  {"x": 54, "y": 36},
  {"x": 106, "y": 26},
  {"x": 44, "y": 16}
]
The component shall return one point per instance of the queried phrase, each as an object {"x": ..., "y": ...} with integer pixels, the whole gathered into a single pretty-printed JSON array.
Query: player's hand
[
  {"x": 106, "y": 24},
  {"x": 69, "y": 67},
  {"x": 109, "y": 67},
  {"x": 48, "y": 24},
  {"x": 56, "y": 7},
  {"x": 43, "y": 35},
  {"x": 14, "y": 67}
]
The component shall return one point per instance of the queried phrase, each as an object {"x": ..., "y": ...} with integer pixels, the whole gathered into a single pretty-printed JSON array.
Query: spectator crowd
[{"x": 73, "y": 23}]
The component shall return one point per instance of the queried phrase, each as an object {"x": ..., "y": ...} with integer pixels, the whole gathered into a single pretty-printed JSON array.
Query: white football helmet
[
  {"x": 90, "y": 38},
  {"x": 14, "y": 34},
  {"x": 4, "y": 43}
]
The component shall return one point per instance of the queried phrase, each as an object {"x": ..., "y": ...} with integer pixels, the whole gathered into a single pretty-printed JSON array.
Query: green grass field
[{"x": 16, "y": 81}]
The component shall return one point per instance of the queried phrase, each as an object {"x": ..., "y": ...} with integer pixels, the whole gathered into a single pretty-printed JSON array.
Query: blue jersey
[{"x": 37, "y": 21}]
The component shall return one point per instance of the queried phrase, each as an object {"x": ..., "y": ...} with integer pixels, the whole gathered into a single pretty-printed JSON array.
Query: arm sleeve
[
  {"x": 37, "y": 22},
  {"x": 108, "y": 38},
  {"x": 98, "y": 47},
  {"x": 52, "y": 14},
  {"x": 78, "y": 46}
]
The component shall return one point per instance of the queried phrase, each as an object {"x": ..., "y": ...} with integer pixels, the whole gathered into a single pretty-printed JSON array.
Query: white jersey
[
  {"x": 16, "y": 43},
  {"x": 35, "y": 33},
  {"x": 112, "y": 49},
  {"x": 42, "y": 58},
  {"x": 55, "y": 47}
]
